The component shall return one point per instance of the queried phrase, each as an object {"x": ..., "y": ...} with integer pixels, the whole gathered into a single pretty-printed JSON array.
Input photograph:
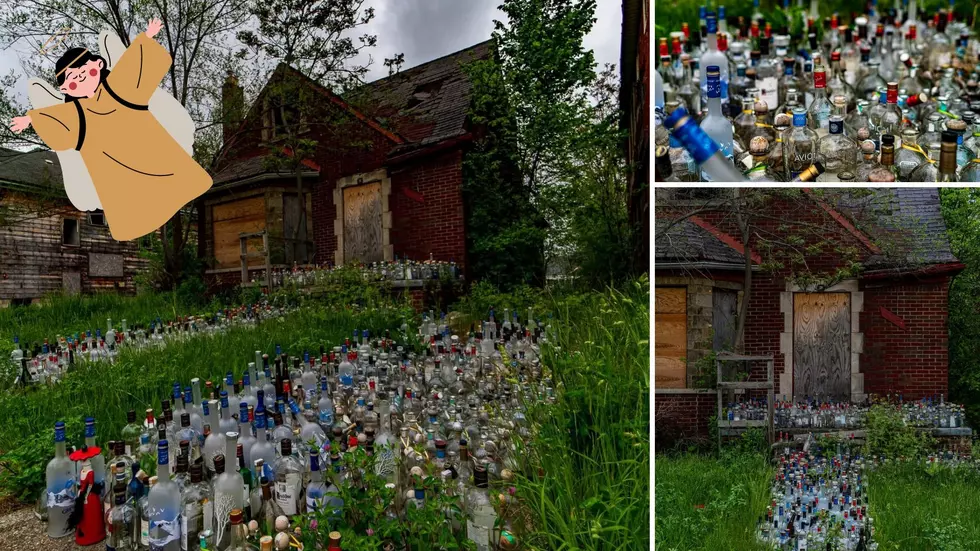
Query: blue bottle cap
[
  {"x": 712, "y": 23},
  {"x": 59, "y": 431},
  {"x": 163, "y": 455},
  {"x": 224, "y": 399},
  {"x": 260, "y": 419},
  {"x": 687, "y": 131},
  {"x": 419, "y": 493},
  {"x": 721, "y": 12},
  {"x": 702, "y": 10},
  {"x": 204, "y": 408},
  {"x": 243, "y": 412}
]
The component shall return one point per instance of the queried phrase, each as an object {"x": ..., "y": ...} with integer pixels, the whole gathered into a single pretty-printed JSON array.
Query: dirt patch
[{"x": 20, "y": 529}]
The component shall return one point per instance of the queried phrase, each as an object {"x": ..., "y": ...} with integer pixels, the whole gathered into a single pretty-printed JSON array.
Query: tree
[
  {"x": 312, "y": 36},
  {"x": 532, "y": 100},
  {"x": 195, "y": 32}
]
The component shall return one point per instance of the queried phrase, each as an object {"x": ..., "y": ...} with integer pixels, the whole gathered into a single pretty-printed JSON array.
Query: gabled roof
[
  {"x": 428, "y": 103},
  {"x": 690, "y": 244},
  {"x": 35, "y": 171}
]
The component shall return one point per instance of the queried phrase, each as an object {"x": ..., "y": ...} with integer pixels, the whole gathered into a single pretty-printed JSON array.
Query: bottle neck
[
  {"x": 59, "y": 450},
  {"x": 947, "y": 158}
]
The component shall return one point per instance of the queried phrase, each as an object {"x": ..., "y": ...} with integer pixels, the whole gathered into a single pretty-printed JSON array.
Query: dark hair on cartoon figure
[{"x": 76, "y": 58}]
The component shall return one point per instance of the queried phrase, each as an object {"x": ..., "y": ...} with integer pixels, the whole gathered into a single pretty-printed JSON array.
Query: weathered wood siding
[
  {"x": 822, "y": 345},
  {"x": 34, "y": 262},
  {"x": 231, "y": 219},
  {"x": 670, "y": 322}
]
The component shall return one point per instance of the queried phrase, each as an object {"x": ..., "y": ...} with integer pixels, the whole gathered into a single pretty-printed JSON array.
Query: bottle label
[
  {"x": 163, "y": 532},
  {"x": 287, "y": 494},
  {"x": 208, "y": 515},
  {"x": 313, "y": 500},
  {"x": 144, "y": 532},
  {"x": 63, "y": 499},
  {"x": 326, "y": 418},
  {"x": 769, "y": 91},
  {"x": 836, "y": 127},
  {"x": 347, "y": 380}
]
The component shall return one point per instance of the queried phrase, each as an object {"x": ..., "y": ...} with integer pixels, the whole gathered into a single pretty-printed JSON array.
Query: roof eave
[{"x": 265, "y": 176}]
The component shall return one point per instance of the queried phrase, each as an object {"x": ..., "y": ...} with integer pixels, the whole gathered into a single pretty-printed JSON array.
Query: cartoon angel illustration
[{"x": 124, "y": 143}]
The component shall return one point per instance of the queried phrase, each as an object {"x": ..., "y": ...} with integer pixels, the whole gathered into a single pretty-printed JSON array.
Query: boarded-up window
[
  {"x": 69, "y": 232},
  {"x": 670, "y": 318},
  {"x": 822, "y": 346},
  {"x": 231, "y": 219},
  {"x": 724, "y": 317}
]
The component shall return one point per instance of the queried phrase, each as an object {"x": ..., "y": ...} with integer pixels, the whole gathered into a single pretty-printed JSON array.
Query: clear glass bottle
[
  {"x": 121, "y": 522},
  {"x": 801, "y": 144},
  {"x": 910, "y": 156},
  {"x": 932, "y": 135},
  {"x": 890, "y": 119},
  {"x": 818, "y": 114},
  {"x": 227, "y": 490},
  {"x": 947, "y": 157},
  {"x": 163, "y": 506},
  {"x": 60, "y": 480},
  {"x": 714, "y": 58},
  {"x": 131, "y": 434},
  {"x": 959, "y": 127},
  {"x": 316, "y": 490},
  {"x": 928, "y": 171},
  {"x": 868, "y": 164},
  {"x": 745, "y": 121},
  {"x": 238, "y": 533},
  {"x": 197, "y": 509},
  {"x": 887, "y": 172},
  {"x": 289, "y": 480},
  {"x": 836, "y": 151},
  {"x": 716, "y": 125},
  {"x": 856, "y": 120},
  {"x": 481, "y": 515}
]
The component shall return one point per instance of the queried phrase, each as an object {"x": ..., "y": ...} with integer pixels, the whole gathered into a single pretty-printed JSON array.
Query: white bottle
[
  {"x": 60, "y": 486},
  {"x": 163, "y": 507}
]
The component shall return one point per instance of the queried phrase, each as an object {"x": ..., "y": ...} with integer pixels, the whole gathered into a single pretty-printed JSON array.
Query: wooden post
[
  {"x": 243, "y": 241},
  {"x": 268, "y": 260},
  {"x": 720, "y": 390}
]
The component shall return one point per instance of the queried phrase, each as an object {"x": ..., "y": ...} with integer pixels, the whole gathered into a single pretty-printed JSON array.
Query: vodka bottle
[
  {"x": 245, "y": 438},
  {"x": 131, "y": 434},
  {"x": 818, "y": 114},
  {"x": 711, "y": 58},
  {"x": 482, "y": 516},
  {"x": 316, "y": 490},
  {"x": 227, "y": 488},
  {"x": 289, "y": 479},
  {"x": 163, "y": 506},
  {"x": 836, "y": 151},
  {"x": 238, "y": 533},
  {"x": 263, "y": 448},
  {"x": 214, "y": 443},
  {"x": 715, "y": 125},
  {"x": 61, "y": 491},
  {"x": 226, "y": 424},
  {"x": 121, "y": 522},
  {"x": 197, "y": 509}
]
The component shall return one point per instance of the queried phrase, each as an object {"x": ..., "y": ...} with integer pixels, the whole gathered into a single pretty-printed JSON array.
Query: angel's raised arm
[
  {"x": 139, "y": 70},
  {"x": 58, "y": 125}
]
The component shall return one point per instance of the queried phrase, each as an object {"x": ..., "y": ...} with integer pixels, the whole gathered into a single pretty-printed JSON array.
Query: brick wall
[
  {"x": 436, "y": 224},
  {"x": 913, "y": 360},
  {"x": 682, "y": 417}
]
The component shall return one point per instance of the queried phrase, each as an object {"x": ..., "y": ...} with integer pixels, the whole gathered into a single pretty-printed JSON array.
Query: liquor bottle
[
  {"x": 197, "y": 509},
  {"x": 189, "y": 434},
  {"x": 704, "y": 151},
  {"x": 947, "y": 157},
  {"x": 940, "y": 49},
  {"x": 60, "y": 475},
  {"x": 480, "y": 512},
  {"x": 316, "y": 490},
  {"x": 263, "y": 448},
  {"x": 269, "y": 510},
  {"x": 227, "y": 490},
  {"x": 836, "y": 151},
  {"x": 226, "y": 424},
  {"x": 801, "y": 144},
  {"x": 963, "y": 155},
  {"x": 131, "y": 434},
  {"x": 245, "y": 471},
  {"x": 869, "y": 163},
  {"x": 163, "y": 506},
  {"x": 97, "y": 462},
  {"x": 245, "y": 438},
  {"x": 909, "y": 156},
  {"x": 887, "y": 172},
  {"x": 121, "y": 522},
  {"x": 714, "y": 58},
  {"x": 289, "y": 477},
  {"x": 767, "y": 72},
  {"x": 715, "y": 125},
  {"x": 890, "y": 119},
  {"x": 238, "y": 531},
  {"x": 818, "y": 114},
  {"x": 745, "y": 121}
]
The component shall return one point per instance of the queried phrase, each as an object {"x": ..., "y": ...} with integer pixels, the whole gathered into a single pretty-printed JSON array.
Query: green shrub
[{"x": 888, "y": 435}]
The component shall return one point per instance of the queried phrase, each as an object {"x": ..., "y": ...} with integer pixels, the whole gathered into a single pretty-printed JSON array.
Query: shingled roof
[
  {"x": 687, "y": 243},
  {"x": 35, "y": 171},
  {"x": 428, "y": 103}
]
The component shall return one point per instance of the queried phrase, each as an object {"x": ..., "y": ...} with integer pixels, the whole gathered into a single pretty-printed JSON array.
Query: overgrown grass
[
  {"x": 586, "y": 478},
  {"x": 142, "y": 378},
  {"x": 930, "y": 509},
  {"x": 706, "y": 503},
  {"x": 61, "y": 314}
]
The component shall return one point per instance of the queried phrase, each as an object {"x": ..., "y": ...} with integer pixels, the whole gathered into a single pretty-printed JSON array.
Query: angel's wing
[
  {"x": 167, "y": 110},
  {"x": 78, "y": 183}
]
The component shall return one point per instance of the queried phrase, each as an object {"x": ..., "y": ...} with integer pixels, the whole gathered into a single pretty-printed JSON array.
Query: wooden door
[
  {"x": 822, "y": 345},
  {"x": 724, "y": 319},
  {"x": 670, "y": 323},
  {"x": 362, "y": 223},
  {"x": 296, "y": 250},
  {"x": 229, "y": 220}
]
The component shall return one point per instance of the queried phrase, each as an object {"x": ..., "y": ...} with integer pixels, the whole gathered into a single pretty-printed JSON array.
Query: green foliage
[
  {"x": 363, "y": 520},
  {"x": 961, "y": 212},
  {"x": 141, "y": 378},
  {"x": 888, "y": 435},
  {"x": 705, "y": 504},
  {"x": 586, "y": 478},
  {"x": 927, "y": 508}
]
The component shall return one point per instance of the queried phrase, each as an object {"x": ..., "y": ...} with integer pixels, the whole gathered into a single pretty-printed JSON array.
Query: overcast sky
[{"x": 426, "y": 29}]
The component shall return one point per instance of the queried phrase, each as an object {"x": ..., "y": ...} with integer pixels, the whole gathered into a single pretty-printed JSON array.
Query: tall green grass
[
  {"x": 61, "y": 314},
  {"x": 142, "y": 378},
  {"x": 930, "y": 509},
  {"x": 585, "y": 480},
  {"x": 706, "y": 503}
]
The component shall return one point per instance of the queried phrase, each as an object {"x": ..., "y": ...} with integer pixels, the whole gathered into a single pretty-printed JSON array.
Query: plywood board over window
[
  {"x": 670, "y": 318},
  {"x": 230, "y": 220},
  {"x": 822, "y": 345}
]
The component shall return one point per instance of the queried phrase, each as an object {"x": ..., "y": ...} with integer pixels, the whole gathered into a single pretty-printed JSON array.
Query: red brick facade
[
  {"x": 903, "y": 319},
  {"x": 682, "y": 417}
]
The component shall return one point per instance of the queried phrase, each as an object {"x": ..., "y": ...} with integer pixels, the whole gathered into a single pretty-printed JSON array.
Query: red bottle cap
[{"x": 819, "y": 78}]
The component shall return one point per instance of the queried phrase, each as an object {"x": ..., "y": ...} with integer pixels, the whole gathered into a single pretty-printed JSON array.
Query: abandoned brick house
[
  {"x": 46, "y": 244},
  {"x": 879, "y": 332},
  {"x": 385, "y": 184}
]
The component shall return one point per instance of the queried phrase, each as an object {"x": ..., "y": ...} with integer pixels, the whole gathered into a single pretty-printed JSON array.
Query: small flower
[
  {"x": 370, "y": 532},
  {"x": 313, "y": 524},
  {"x": 699, "y": 506}
]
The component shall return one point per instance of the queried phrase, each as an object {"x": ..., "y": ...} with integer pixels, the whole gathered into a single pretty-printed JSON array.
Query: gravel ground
[{"x": 21, "y": 530}]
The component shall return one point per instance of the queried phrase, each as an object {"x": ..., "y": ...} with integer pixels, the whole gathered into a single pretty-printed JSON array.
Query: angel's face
[{"x": 81, "y": 82}]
